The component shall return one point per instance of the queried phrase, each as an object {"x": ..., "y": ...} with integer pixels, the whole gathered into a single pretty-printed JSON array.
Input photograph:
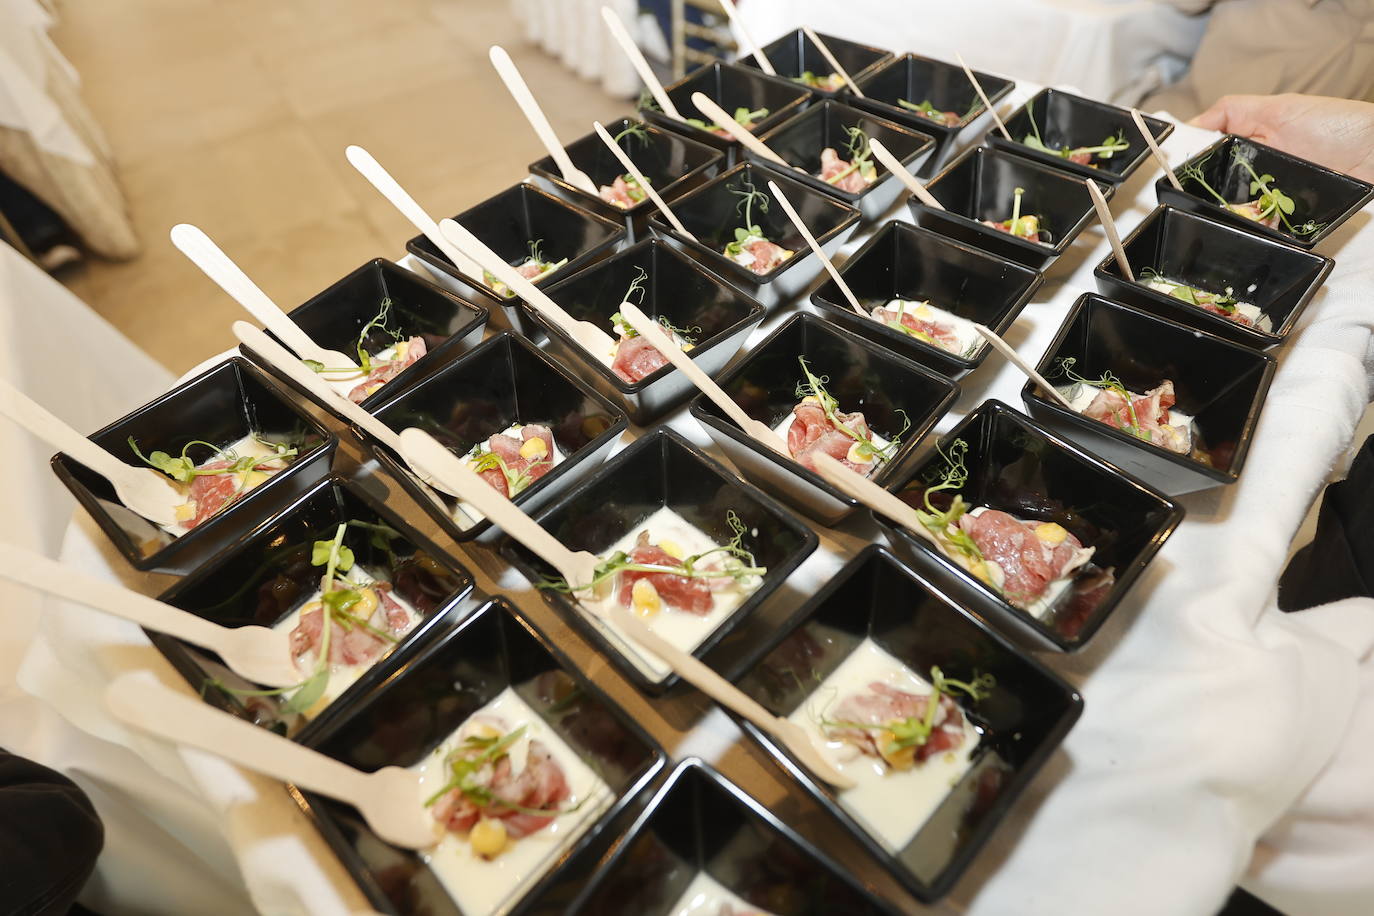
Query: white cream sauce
[
  {"x": 1252, "y": 312},
  {"x": 706, "y": 896},
  {"x": 968, "y": 341},
  {"x": 684, "y": 630},
  {"x": 465, "y": 514},
  {"x": 244, "y": 481},
  {"x": 483, "y": 886},
  {"x": 891, "y": 804},
  {"x": 342, "y": 676}
]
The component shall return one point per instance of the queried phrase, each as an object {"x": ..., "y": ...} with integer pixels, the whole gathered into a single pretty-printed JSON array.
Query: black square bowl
[
  {"x": 420, "y": 703},
  {"x": 663, "y": 469},
  {"x": 1221, "y": 384},
  {"x": 673, "y": 163},
  {"x": 981, "y": 184},
  {"x": 1022, "y": 720},
  {"x": 730, "y": 86},
  {"x": 902, "y": 261},
  {"x": 710, "y": 213},
  {"x": 1019, "y": 467},
  {"x": 336, "y": 317},
  {"x": 918, "y": 79},
  {"x": 1068, "y": 121},
  {"x": 508, "y": 223},
  {"x": 1202, "y": 252},
  {"x": 794, "y": 54},
  {"x": 221, "y": 405},
  {"x": 677, "y": 288},
  {"x": 505, "y": 380},
  {"x": 890, "y": 389},
  {"x": 1320, "y": 195},
  {"x": 801, "y": 140},
  {"x": 701, "y": 822},
  {"x": 268, "y": 574}
]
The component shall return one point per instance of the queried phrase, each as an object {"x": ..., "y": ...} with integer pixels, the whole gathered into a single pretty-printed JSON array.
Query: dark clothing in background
[
  {"x": 1339, "y": 563},
  {"x": 50, "y": 837}
]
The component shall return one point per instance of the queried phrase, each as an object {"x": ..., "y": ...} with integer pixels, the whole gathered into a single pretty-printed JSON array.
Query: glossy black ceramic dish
[
  {"x": 400, "y": 721},
  {"x": 1063, "y": 121},
  {"x": 701, "y": 822},
  {"x": 504, "y": 381},
  {"x": 1322, "y": 198},
  {"x": 1021, "y": 721},
  {"x": 266, "y": 577},
  {"x": 900, "y": 400},
  {"x": 509, "y": 224},
  {"x": 673, "y": 163},
  {"x": 732, "y": 87},
  {"x": 981, "y": 185},
  {"x": 917, "y": 79},
  {"x": 661, "y": 469},
  {"x": 906, "y": 262},
  {"x": 378, "y": 305},
  {"x": 1017, "y": 466},
  {"x": 1201, "y": 252},
  {"x": 713, "y": 212},
  {"x": 827, "y": 124},
  {"x": 221, "y": 405},
  {"x": 1221, "y": 384},
  {"x": 677, "y": 289},
  {"x": 793, "y": 55}
]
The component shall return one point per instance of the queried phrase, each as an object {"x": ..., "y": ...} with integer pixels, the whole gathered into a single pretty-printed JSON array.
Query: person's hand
[{"x": 1336, "y": 133}]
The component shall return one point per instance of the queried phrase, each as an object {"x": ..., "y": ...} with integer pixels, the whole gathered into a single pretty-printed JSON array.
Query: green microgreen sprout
[
  {"x": 744, "y": 117},
  {"x": 1190, "y": 294},
  {"x": 945, "y": 525},
  {"x": 915, "y": 731},
  {"x": 380, "y": 320},
  {"x": 749, "y": 197},
  {"x": 1113, "y": 144},
  {"x": 1268, "y": 201},
  {"x": 688, "y": 336},
  {"x": 1106, "y": 382},
  {"x": 466, "y": 763},
  {"x": 813, "y": 386},
  {"x": 535, "y": 259},
  {"x": 857, "y": 147}
]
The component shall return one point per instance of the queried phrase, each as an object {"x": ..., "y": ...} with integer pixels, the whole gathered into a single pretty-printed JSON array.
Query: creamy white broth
[
  {"x": 1252, "y": 312},
  {"x": 483, "y": 886},
  {"x": 969, "y": 340},
  {"x": 891, "y": 804},
  {"x": 342, "y": 676},
  {"x": 706, "y": 896},
  {"x": 248, "y": 446},
  {"x": 465, "y": 514},
  {"x": 684, "y": 630}
]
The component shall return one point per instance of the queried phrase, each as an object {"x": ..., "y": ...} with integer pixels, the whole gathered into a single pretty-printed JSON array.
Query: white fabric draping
[
  {"x": 1212, "y": 721},
  {"x": 572, "y": 31}
]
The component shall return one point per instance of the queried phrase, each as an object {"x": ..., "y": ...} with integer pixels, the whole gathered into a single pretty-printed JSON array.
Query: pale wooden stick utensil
[
  {"x": 391, "y": 189},
  {"x": 978, "y": 87},
  {"x": 859, "y": 487},
  {"x": 715, "y": 114},
  {"x": 894, "y": 165},
  {"x": 1104, "y": 215},
  {"x": 388, "y": 799},
  {"x": 651, "y": 331},
  {"x": 793, "y": 215},
  {"x": 646, "y": 73},
  {"x": 217, "y": 265},
  {"x": 260, "y": 654},
  {"x": 591, "y": 338},
  {"x": 535, "y": 115},
  {"x": 1154, "y": 148},
  {"x": 643, "y": 182},
  {"x": 580, "y": 567},
  {"x": 830, "y": 59},
  {"x": 756, "y": 50},
  {"x": 1007, "y": 350},
  {"x": 142, "y": 489}
]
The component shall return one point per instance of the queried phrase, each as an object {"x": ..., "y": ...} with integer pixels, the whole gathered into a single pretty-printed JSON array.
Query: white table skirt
[{"x": 1208, "y": 713}]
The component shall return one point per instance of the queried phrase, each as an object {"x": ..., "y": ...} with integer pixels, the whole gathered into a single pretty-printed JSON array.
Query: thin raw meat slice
[
  {"x": 386, "y": 371},
  {"x": 530, "y": 269},
  {"x": 812, "y": 432},
  {"x": 212, "y": 492},
  {"x": 617, "y": 193},
  {"x": 832, "y": 165},
  {"x": 692, "y": 595},
  {"x": 886, "y": 705},
  {"x": 637, "y": 359},
  {"x": 931, "y": 331},
  {"x": 766, "y": 255},
  {"x": 1251, "y": 210},
  {"x": 1028, "y": 563}
]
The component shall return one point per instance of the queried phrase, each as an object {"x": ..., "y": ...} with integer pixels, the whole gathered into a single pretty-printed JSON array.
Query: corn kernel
[
  {"x": 534, "y": 449},
  {"x": 485, "y": 730},
  {"x": 859, "y": 453},
  {"x": 185, "y": 512},
  {"x": 672, "y": 549},
  {"x": 644, "y": 598},
  {"x": 488, "y": 837},
  {"x": 402, "y": 348},
  {"x": 903, "y": 758},
  {"x": 1051, "y": 533}
]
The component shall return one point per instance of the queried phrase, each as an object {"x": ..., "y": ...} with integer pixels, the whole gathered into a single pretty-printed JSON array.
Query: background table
[{"x": 1208, "y": 713}]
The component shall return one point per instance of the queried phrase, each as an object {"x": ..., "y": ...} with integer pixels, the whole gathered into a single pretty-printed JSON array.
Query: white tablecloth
[{"x": 1208, "y": 713}]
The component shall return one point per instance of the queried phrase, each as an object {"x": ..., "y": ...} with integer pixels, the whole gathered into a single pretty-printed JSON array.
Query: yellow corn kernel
[
  {"x": 1051, "y": 533},
  {"x": 402, "y": 348},
  {"x": 488, "y": 837},
  {"x": 903, "y": 758},
  {"x": 185, "y": 512},
  {"x": 672, "y": 549},
  {"x": 534, "y": 449},
  {"x": 811, "y": 399},
  {"x": 373, "y": 389},
  {"x": 644, "y": 598},
  {"x": 860, "y": 453},
  {"x": 367, "y": 604}
]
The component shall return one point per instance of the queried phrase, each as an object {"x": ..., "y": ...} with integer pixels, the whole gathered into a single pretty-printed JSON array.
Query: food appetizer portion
[
  {"x": 855, "y": 173},
  {"x": 531, "y": 268},
  {"x": 930, "y": 324},
  {"x": 1265, "y": 204},
  {"x": 751, "y": 248},
  {"x": 624, "y": 192},
  {"x": 926, "y": 110},
  {"x": 830, "y": 82},
  {"x": 633, "y": 358},
  {"x": 510, "y": 461},
  {"x": 744, "y": 117},
  {"x": 224, "y": 475},
  {"x": 896, "y": 734},
  {"x": 1149, "y": 417},
  {"x": 511, "y": 797},
  {"x": 1026, "y": 227},
  {"x": 817, "y": 426},
  {"x": 1223, "y": 303},
  {"x": 375, "y": 367},
  {"x": 1091, "y": 156}
]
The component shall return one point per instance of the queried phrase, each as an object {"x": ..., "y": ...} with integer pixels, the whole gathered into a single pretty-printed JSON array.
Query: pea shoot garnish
[
  {"x": 382, "y": 321},
  {"x": 898, "y": 735},
  {"x": 1223, "y": 302},
  {"x": 744, "y": 117},
  {"x": 184, "y": 469},
  {"x": 1269, "y": 204},
  {"x": 749, "y": 198},
  {"x": 859, "y": 157},
  {"x": 813, "y": 387},
  {"x": 686, "y": 336},
  {"x": 944, "y": 525},
  {"x": 1106, "y": 382},
  {"x": 535, "y": 259}
]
